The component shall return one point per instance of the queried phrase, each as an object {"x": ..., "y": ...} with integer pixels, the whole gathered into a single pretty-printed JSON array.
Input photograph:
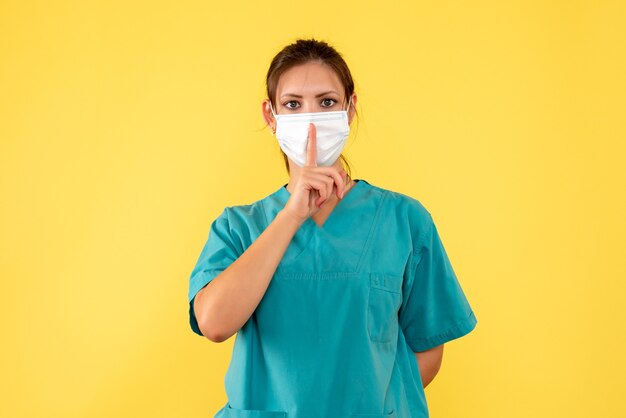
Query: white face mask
[{"x": 332, "y": 130}]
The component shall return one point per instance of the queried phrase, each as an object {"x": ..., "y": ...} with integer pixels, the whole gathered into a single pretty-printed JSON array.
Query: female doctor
[{"x": 340, "y": 292}]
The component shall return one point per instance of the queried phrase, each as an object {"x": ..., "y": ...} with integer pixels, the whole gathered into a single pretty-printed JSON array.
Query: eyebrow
[{"x": 319, "y": 95}]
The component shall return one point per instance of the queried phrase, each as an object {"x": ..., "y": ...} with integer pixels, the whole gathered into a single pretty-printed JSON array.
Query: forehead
[{"x": 308, "y": 79}]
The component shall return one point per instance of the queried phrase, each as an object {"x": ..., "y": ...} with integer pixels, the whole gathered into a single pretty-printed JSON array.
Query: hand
[{"x": 315, "y": 185}]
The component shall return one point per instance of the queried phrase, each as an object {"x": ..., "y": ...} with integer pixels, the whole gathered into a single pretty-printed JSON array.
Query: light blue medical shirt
[{"x": 348, "y": 305}]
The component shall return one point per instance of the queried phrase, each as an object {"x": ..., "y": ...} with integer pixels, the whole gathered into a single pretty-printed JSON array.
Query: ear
[
  {"x": 352, "y": 110},
  {"x": 267, "y": 115}
]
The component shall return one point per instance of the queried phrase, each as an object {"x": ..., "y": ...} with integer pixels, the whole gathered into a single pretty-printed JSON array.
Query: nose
[{"x": 308, "y": 107}]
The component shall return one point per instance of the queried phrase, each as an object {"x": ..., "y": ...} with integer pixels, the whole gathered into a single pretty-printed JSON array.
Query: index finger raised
[{"x": 311, "y": 147}]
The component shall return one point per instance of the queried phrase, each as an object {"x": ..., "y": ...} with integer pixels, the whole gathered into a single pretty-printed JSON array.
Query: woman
[{"x": 340, "y": 291}]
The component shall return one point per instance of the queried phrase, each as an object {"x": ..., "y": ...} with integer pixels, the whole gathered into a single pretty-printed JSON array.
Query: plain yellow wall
[{"x": 126, "y": 127}]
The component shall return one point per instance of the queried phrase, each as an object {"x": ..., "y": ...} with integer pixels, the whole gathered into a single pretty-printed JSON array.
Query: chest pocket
[{"x": 384, "y": 301}]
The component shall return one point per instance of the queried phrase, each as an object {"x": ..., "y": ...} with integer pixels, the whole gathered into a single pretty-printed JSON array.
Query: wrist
[{"x": 289, "y": 218}]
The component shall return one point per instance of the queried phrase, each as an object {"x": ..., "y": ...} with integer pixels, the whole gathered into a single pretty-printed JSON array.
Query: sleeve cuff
[
  {"x": 195, "y": 285},
  {"x": 462, "y": 328},
  {"x": 200, "y": 280},
  {"x": 193, "y": 322}
]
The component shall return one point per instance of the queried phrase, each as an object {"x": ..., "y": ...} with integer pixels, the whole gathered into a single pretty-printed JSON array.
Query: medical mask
[{"x": 332, "y": 131}]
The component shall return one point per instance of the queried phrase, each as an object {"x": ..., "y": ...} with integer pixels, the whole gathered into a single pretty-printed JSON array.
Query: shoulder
[
  {"x": 246, "y": 214},
  {"x": 404, "y": 203},
  {"x": 239, "y": 224},
  {"x": 411, "y": 211}
]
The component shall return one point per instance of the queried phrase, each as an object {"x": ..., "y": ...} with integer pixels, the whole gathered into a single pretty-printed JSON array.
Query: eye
[
  {"x": 290, "y": 107},
  {"x": 326, "y": 101}
]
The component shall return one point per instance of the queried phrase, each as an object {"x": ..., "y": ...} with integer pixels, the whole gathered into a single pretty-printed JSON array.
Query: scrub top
[{"x": 350, "y": 302}]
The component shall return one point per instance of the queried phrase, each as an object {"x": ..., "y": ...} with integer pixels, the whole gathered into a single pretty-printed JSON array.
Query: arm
[
  {"x": 429, "y": 362},
  {"x": 225, "y": 304}
]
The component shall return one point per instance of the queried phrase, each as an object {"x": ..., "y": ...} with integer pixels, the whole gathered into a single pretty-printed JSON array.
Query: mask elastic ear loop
[
  {"x": 272, "y": 109},
  {"x": 349, "y": 102}
]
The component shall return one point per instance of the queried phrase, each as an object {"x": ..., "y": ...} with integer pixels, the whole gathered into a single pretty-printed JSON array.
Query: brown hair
[{"x": 301, "y": 52}]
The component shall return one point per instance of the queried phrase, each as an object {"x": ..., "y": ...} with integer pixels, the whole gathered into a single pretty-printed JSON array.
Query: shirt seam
[
  {"x": 422, "y": 239},
  {"x": 371, "y": 231},
  {"x": 267, "y": 220}
]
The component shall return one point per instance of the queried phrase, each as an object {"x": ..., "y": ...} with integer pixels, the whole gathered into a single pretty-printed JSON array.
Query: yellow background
[{"x": 126, "y": 127}]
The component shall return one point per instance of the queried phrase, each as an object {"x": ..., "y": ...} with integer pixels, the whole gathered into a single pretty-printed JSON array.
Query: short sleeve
[
  {"x": 218, "y": 253},
  {"x": 434, "y": 308}
]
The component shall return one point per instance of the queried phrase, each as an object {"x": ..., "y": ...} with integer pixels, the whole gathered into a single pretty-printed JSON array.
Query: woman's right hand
[{"x": 315, "y": 185}]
